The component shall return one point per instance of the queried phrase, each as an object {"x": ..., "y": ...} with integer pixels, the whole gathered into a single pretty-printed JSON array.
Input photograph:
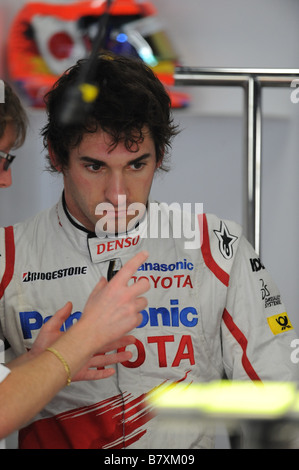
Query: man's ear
[
  {"x": 159, "y": 162},
  {"x": 53, "y": 159}
]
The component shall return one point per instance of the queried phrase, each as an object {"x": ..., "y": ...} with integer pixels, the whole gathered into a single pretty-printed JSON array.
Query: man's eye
[
  {"x": 94, "y": 166},
  {"x": 137, "y": 165}
]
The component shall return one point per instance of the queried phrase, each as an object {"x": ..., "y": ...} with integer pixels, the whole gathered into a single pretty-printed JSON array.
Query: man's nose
[
  {"x": 115, "y": 187},
  {"x": 5, "y": 178}
]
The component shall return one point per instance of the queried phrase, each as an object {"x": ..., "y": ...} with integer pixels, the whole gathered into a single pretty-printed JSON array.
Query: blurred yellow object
[
  {"x": 89, "y": 92},
  {"x": 226, "y": 399}
]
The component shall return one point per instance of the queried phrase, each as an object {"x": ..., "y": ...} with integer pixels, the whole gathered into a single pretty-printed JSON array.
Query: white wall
[{"x": 208, "y": 155}]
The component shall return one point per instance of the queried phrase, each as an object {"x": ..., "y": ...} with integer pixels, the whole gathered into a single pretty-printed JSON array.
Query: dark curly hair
[{"x": 130, "y": 97}]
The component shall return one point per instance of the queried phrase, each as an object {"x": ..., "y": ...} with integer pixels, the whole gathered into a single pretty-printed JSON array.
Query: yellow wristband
[{"x": 64, "y": 363}]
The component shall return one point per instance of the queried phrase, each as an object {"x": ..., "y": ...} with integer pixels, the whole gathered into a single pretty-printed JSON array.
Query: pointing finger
[
  {"x": 124, "y": 275},
  {"x": 140, "y": 287}
]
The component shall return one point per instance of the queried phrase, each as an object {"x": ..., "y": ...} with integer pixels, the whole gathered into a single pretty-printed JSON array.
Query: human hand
[
  {"x": 113, "y": 307},
  {"x": 95, "y": 369},
  {"x": 111, "y": 310},
  {"x": 50, "y": 331}
]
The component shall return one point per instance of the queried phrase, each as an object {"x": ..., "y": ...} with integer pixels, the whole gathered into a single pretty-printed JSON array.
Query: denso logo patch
[
  {"x": 50, "y": 275},
  {"x": 117, "y": 244}
]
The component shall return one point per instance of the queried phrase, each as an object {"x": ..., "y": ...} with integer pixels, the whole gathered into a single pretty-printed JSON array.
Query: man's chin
[{"x": 114, "y": 228}]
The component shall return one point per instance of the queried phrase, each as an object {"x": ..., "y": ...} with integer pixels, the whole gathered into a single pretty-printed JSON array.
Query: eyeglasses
[{"x": 8, "y": 159}]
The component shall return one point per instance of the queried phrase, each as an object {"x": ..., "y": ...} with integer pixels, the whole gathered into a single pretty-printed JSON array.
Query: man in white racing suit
[{"x": 213, "y": 309}]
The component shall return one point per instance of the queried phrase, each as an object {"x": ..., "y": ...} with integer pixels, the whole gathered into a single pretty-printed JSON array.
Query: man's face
[
  {"x": 6, "y": 144},
  {"x": 96, "y": 174}
]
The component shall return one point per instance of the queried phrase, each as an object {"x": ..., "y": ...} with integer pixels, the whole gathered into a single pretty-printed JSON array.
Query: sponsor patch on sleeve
[{"x": 279, "y": 323}]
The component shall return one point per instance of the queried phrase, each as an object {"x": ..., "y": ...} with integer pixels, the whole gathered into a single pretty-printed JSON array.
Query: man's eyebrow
[
  {"x": 100, "y": 162},
  {"x": 91, "y": 160},
  {"x": 139, "y": 159}
]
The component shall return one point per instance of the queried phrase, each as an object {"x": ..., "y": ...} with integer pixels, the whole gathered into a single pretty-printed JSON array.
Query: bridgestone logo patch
[{"x": 50, "y": 275}]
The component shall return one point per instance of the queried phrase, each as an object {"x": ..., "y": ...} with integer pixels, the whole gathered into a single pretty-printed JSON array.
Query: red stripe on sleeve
[
  {"x": 241, "y": 339},
  {"x": 9, "y": 259},
  {"x": 207, "y": 255}
]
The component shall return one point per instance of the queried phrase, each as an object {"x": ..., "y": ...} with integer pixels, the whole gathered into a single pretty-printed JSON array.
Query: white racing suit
[{"x": 213, "y": 312}]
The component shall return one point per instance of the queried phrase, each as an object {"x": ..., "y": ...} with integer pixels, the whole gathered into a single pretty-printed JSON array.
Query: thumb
[{"x": 62, "y": 314}]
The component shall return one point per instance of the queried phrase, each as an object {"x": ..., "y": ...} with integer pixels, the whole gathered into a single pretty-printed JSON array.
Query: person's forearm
[
  {"x": 111, "y": 311},
  {"x": 27, "y": 389},
  {"x": 35, "y": 382},
  {"x": 19, "y": 360}
]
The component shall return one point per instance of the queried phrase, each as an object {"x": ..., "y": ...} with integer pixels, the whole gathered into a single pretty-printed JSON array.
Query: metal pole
[
  {"x": 252, "y": 80},
  {"x": 252, "y": 206}
]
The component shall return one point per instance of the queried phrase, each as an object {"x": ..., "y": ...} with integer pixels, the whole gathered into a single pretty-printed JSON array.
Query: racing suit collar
[
  {"x": 73, "y": 220},
  {"x": 122, "y": 246},
  {"x": 107, "y": 247}
]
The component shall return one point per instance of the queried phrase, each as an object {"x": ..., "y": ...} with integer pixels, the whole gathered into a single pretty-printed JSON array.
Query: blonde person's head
[{"x": 12, "y": 111}]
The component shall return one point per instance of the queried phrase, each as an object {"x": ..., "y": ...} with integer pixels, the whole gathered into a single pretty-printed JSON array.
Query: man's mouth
[{"x": 116, "y": 214}]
